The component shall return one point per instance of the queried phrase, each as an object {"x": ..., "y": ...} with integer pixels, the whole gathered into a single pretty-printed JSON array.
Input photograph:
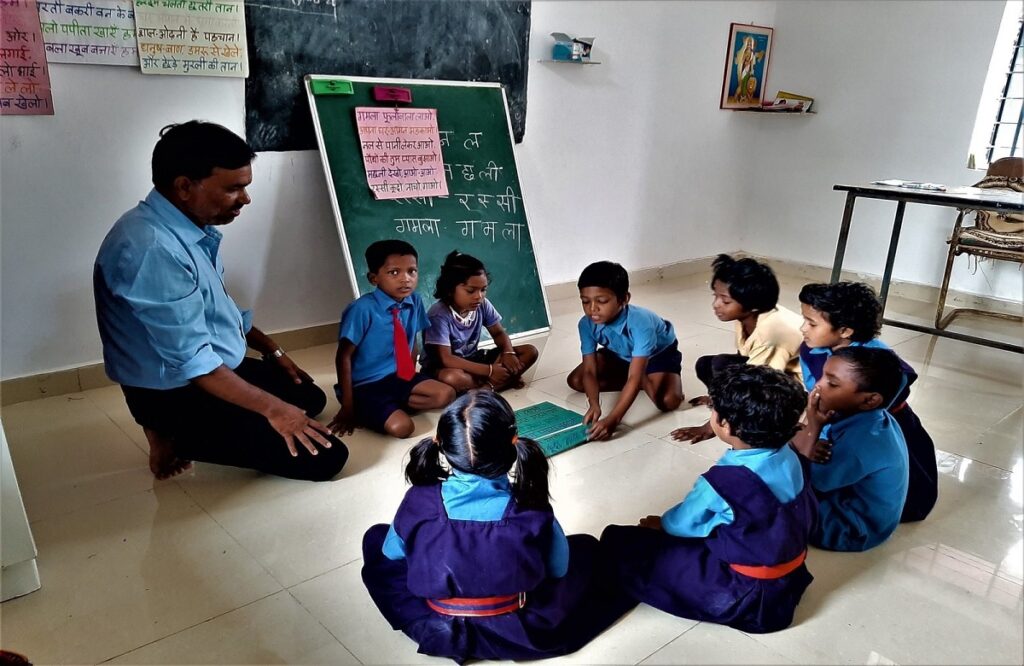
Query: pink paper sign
[
  {"x": 24, "y": 78},
  {"x": 401, "y": 152}
]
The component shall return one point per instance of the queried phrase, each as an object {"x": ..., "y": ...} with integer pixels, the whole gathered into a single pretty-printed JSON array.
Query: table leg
[
  {"x": 844, "y": 233},
  {"x": 894, "y": 241}
]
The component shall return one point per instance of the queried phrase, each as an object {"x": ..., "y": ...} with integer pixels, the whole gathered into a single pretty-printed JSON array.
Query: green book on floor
[{"x": 555, "y": 428}]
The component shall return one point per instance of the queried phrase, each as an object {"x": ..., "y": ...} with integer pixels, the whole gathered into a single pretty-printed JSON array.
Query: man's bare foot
[
  {"x": 694, "y": 434},
  {"x": 701, "y": 400},
  {"x": 162, "y": 461}
]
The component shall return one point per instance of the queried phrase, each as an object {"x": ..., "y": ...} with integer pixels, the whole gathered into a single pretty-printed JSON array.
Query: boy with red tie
[{"x": 377, "y": 378}]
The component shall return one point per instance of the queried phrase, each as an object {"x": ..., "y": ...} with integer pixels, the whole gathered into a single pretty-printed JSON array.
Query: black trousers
[
  {"x": 709, "y": 366},
  {"x": 208, "y": 429}
]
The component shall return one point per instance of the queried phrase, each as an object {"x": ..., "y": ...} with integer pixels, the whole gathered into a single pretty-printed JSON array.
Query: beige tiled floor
[{"x": 228, "y": 566}]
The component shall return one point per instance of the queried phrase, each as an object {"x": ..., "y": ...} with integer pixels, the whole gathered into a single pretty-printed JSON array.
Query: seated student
[
  {"x": 377, "y": 376},
  {"x": 733, "y": 551},
  {"x": 638, "y": 350},
  {"x": 862, "y": 484},
  {"x": 849, "y": 314},
  {"x": 747, "y": 293},
  {"x": 450, "y": 351},
  {"x": 475, "y": 565}
]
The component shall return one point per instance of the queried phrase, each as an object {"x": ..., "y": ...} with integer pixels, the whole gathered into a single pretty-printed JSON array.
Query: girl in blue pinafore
[
  {"x": 733, "y": 551},
  {"x": 475, "y": 565}
]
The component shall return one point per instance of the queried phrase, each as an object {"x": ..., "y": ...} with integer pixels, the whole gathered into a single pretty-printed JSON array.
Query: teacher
[{"x": 175, "y": 340}]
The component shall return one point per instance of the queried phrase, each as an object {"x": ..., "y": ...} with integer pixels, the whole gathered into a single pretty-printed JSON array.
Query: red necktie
[{"x": 404, "y": 366}]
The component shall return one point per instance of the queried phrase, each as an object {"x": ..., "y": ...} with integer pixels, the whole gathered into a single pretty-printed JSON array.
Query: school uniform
[
  {"x": 923, "y": 489},
  {"x": 368, "y": 323},
  {"x": 774, "y": 342},
  {"x": 732, "y": 552},
  {"x": 468, "y": 574},
  {"x": 862, "y": 489},
  {"x": 462, "y": 338},
  {"x": 635, "y": 332}
]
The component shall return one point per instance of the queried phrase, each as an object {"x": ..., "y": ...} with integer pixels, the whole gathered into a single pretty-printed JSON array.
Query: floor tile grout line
[
  {"x": 669, "y": 642},
  {"x": 322, "y": 625},
  {"x": 197, "y": 624}
]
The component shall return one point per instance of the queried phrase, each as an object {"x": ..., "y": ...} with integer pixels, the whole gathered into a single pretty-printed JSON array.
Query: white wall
[
  {"x": 897, "y": 86},
  {"x": 630, "y": 160}
]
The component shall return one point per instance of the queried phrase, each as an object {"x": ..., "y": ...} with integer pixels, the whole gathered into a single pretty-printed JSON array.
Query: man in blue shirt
[{"x": 175, "y": 340}]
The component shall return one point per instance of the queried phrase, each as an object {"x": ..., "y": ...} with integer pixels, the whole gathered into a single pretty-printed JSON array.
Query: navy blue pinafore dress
[
  {"x": 748, "y": 574},
  {"x": 483, "y": 567}
]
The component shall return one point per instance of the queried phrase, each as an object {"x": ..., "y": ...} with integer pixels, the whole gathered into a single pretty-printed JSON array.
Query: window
[{"x": 998, "y": 128}]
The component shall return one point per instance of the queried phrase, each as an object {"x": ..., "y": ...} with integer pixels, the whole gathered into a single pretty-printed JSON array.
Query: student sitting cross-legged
[
  {"x": 849, "y": 314},
  {"x": 625, "y": 348},
  {"x": 475, "y": 565},
  {"x": 746, "y": 292},
  {"x": 733, "y": 550},
  {"x": 862, "y": 483},
  {"x": 462, "y": 311},
  {"x": 377, "y": 378}
]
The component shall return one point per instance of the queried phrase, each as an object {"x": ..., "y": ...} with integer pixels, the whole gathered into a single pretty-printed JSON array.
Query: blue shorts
[
  {"x": 377, "y": 401},
  {"x": 668, "y": 359},
  {"x": 430, "y": 363}
]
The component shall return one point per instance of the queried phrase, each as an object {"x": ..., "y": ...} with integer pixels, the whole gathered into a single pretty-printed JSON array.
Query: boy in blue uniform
[
  {"x": 862, "y": 489},
  {"x": 625, "y": 348},
  {"x": 848, "y": 314},
  {"x": 733, "y": 551},
  {"x": 377, "y": 376}
]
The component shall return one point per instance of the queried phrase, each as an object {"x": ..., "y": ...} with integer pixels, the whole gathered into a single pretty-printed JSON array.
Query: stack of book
[{"x": 787, "y": 101}]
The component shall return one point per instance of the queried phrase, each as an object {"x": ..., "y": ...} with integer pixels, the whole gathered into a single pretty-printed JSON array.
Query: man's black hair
[
  {"x": 194, "y": 149},
  {"x": 878, "y": 370},
  {"x": 852, "y": 305},
  {"x": 751, "y": 283},
  {"x": 379, "y": 251},
  {"x": 761, "y": 404},
  {"x": 607, "y": 275}
]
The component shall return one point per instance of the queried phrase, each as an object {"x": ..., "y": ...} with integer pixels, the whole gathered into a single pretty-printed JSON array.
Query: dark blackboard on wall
[
  {"x": 483, "y": 214},
  {"x": 459, "y": 40}
]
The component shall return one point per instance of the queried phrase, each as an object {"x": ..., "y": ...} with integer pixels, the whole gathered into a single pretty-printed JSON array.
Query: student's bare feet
[{"x": 162, "y": 461}]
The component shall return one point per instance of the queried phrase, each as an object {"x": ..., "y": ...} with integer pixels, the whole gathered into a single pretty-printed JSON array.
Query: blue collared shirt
[
  {"x": 704, "y": 509},
  {"x": 368, "y": 324},
  {"x": 163, "y": 312},
  {"x": 471, "y": 497},
  {"x": 861, "y": 491},
  {"x": 909, "y": 376},
  {"x": 635, "y": 332}
]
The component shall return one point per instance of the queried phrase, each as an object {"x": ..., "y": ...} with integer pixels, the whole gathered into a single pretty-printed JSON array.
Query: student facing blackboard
[{"x": 483, "y": 214}]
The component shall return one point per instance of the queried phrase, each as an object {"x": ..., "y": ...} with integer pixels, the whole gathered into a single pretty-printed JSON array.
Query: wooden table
[{"x": 970, "y": 198}]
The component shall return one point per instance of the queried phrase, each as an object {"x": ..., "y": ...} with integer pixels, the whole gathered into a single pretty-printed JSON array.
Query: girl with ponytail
[{"x": 475, "y": 565}]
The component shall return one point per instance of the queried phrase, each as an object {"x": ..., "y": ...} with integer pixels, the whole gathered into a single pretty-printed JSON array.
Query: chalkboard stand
[{"x": 518, "y": 291}]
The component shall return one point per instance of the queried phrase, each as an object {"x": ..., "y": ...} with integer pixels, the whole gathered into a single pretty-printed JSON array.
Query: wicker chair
[{"x": 992, "y": 236}]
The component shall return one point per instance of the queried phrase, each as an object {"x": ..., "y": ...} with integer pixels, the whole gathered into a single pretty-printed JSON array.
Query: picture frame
[{"x": 746, "y": 66}]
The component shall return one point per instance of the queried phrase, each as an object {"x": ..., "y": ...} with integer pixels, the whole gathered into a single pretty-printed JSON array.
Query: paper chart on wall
[
  {"x": 193, "y": 37},
  {"x": 401, "y": 152},
  {"x": 96, "y": 32},
  {"x": 24, "y": 77}
]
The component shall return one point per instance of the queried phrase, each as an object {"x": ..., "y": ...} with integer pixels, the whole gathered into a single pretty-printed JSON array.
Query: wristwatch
[{"x": 277, "y": 353}]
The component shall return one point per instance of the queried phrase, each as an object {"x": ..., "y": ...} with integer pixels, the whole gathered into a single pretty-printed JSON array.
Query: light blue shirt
[
  {"x": 861, "y": 491},
  {"x": 368, "y": 324},
  {"x": 704, "y": 509},
  {"x": 635, "y": 332},
  {"x": 471, "y": 497},
  {"x": 163, "y": 312}
]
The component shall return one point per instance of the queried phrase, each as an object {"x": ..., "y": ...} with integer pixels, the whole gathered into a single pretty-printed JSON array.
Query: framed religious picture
[{"x": 746, "y": 66}]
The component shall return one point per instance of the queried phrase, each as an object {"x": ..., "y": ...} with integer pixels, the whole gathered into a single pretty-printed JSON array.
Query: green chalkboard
[{"x": 483, "y": 214}]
